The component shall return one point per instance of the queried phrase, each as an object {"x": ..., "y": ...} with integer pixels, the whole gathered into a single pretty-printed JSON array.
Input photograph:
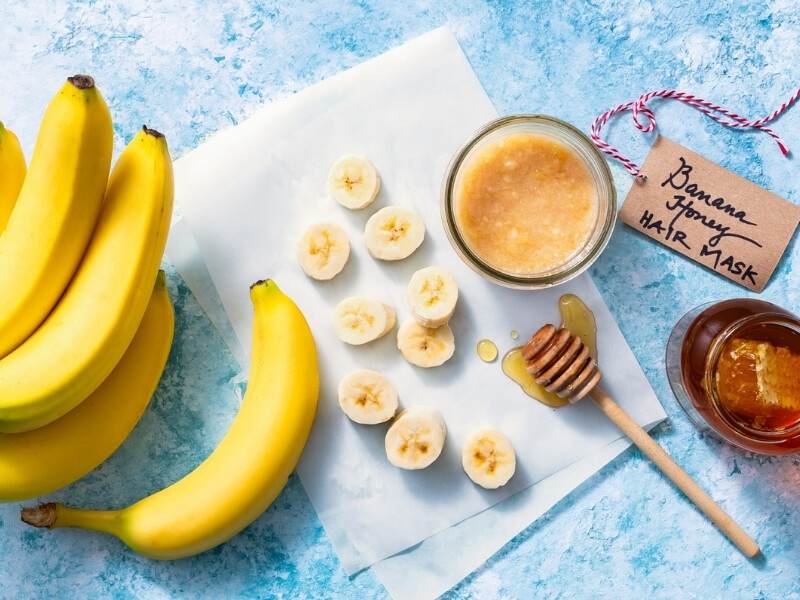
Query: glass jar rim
[{"x": 579, "y": 143}]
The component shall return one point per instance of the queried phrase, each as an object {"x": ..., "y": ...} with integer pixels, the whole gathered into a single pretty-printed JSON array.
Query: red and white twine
[{"x": 639, "y": 108}]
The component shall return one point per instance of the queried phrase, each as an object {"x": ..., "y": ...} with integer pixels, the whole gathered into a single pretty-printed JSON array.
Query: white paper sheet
[
  {"x": 435, "y": 564},
  {"x": 441, "y": 561},
  {"x": 247, "y": 195}
]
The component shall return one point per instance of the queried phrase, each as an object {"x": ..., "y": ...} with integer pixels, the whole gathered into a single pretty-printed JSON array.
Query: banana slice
[
  {"x": 353, "y": 181},
  {"x": 416, "y": 438},
  {"x": 358, "y": 319},
  {"x": 488, "y": 458},
  {"x": 432, "y": 296},
  {"x": 393, "y": 233},
  {"x": 425, "y": 346},
  {"x": 323, "y": 251},
  {"x": 367, "y": 397}
]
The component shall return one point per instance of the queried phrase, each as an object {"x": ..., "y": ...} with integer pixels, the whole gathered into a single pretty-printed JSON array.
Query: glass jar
[
  {"x": 528, "y": 202},
  {"x": 734, "y": 367}
]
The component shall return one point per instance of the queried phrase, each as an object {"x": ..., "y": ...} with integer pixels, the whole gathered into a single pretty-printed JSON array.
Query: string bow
[{"x": 645, "y": 120}]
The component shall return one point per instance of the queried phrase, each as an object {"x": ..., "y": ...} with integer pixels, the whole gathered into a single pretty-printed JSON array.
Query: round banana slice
[
  {"x": 425, "y": 346},
  {"x": 432, "y": 296},
  {"x": 353, "y": 181},
  {"x": 358, "y": 320},
  {"x": 416, "y": 438},
  {"x": 323, "y": 251},
  {"x": 393, "y": 233},
  {"x": 367, "y": 397},
  {"x": 488, "y": 458}
]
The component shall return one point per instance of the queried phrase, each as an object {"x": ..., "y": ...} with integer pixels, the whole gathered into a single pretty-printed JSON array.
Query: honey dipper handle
[{"x": 671, "y": 469}]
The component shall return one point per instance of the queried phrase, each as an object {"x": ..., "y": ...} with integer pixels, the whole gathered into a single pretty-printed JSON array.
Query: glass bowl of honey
[
  {"x": 528, "y": 201},
  {"x": 734, "y": 367}
]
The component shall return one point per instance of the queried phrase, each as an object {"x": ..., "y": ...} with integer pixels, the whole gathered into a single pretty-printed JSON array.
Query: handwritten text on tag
[{"x": 710, "y": 214}]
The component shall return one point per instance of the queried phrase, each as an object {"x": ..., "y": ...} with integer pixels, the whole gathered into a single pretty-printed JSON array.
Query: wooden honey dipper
[{"x": 560, "y": 362}]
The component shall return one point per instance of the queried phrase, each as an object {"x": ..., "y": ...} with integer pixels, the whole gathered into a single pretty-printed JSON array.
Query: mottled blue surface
[{"x": 190, "y": 70}]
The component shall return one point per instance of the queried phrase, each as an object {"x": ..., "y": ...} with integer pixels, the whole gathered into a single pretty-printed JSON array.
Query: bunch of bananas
[
  {"x": 86, "y": 326},
  {"x": 85, "y": 323}
]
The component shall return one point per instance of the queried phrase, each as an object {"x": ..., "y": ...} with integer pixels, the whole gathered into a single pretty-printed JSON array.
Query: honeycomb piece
[{"x": 756, "y": 378}]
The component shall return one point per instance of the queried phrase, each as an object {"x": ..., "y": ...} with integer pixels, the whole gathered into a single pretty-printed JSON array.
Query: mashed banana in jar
[{"x": 526, "y": 204}]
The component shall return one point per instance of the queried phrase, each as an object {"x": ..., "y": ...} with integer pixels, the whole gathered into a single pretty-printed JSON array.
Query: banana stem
[
  {"x": 82, "y": 82},
  {"x": 53, "y": 514}
]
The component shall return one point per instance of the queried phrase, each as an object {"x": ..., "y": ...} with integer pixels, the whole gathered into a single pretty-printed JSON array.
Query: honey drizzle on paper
[{"x": 576, "y": 317}]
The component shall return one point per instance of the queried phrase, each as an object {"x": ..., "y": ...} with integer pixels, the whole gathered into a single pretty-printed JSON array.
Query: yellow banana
[
  {"x": 48, "y": 458},
  {"x": 12, "y": 173},
  {"x": 252, "y": 463},
  {"x": 84, "y": 337},
  {"x": 57, "y": 208}
]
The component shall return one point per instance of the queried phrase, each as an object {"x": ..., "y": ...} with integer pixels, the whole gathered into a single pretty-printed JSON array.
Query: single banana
[
  {"x": 353, "y": 181},
  {"x": 84, "y": 337},
  {"x": 432, "y": 296},
  {"x": 358, "y": 320},
  {"x": 393, "y": 233},
  {"x": 57, "y": 209},
  {"x": 367, "y": 397},
  {"x": 323, "y": 251},
  {"x": 48, "y": 458},
  {"x": 249, "y": 467},
  {"x": 424, "y": 346},
  {"x": 415, "y": 438},
  {"x": 488, "y": 458},
  {"x": 12, "y": 173}
]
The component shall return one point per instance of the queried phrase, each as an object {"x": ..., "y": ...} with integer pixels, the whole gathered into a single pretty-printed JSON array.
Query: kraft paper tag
[{"x": 710, "y": 214}]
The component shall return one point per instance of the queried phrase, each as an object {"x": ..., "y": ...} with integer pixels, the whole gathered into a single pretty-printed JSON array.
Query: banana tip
[
  {"x": 155, "y": 133},
  {"x": 82, "y": 82},
  {"x": 261, "y": 282},
  {"x": 43, "y": 515}
]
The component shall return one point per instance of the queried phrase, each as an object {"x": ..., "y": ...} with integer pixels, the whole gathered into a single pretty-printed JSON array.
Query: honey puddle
[{"x": 576, "y": 317}]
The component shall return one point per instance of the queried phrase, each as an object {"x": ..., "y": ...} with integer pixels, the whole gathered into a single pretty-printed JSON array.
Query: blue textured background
[{"x": 192, "y": 69}]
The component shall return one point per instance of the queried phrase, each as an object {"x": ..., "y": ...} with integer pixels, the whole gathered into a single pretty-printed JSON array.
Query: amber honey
[{"x": 739, "y": 371}]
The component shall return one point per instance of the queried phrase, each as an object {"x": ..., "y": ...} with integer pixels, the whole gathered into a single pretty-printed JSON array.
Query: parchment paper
[
  {"x": 445, "y": 558},
  {"x": 441, "y": 561},
  {"x": 247, "y": 195}
]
